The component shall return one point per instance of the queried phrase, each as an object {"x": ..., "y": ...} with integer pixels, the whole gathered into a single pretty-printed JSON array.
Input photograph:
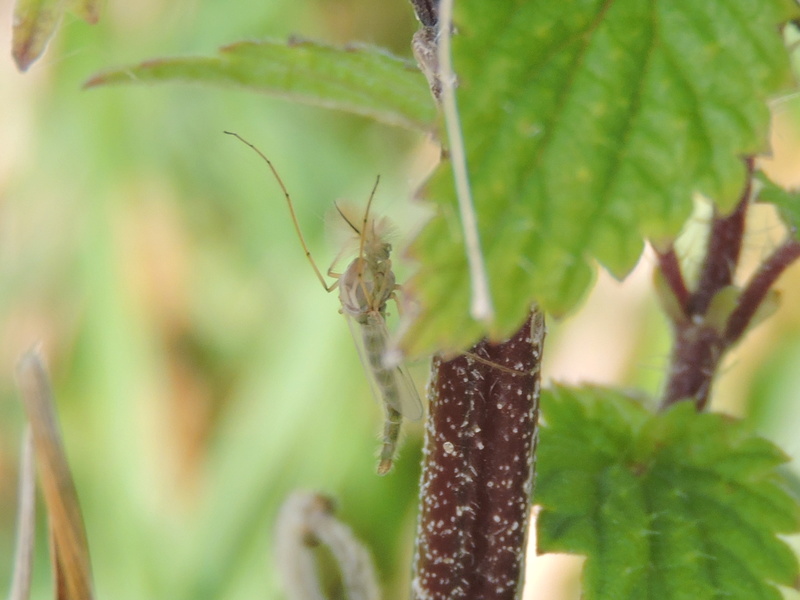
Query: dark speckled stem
[{"x": 478, "y": 470}]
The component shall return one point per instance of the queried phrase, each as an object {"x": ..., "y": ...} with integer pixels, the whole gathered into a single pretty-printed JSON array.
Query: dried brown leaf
[
  {"x": 26, "y": 522},
  {"x": 70, "y": 547}
]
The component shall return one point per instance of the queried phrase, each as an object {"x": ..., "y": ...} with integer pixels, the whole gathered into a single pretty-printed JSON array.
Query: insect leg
[
  {"x": 391, "y": 433},
  {"x": 365, "y": 220},
  {"x": 393, "y": 296},
  {"x": 328, "y": 288}
]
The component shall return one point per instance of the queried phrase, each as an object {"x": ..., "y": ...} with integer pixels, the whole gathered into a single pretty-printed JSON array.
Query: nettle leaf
[
  {"x": 665, "y": 506},
  {"x": 588, "y": 126},
  {"x": 787, "y": 201},
  {"x": 359, "y": 79}
]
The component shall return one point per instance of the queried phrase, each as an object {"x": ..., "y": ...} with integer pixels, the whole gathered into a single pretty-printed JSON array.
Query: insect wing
[
  {"x": 409, "y": 405},
  {"x": 405, "y": 398}
]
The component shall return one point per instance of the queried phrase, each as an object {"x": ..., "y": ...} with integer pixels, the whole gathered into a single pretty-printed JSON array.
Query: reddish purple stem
[
  {"x": 753, "y": 295},
  {"x": 698, "y": 346},
  {"x": 722, "y": 255},
  {"x": 671, "y": 270},
  {"x": 700, "y": 342},
  {"x": 695, "y": 358},
  {"x": 475, "y": 494}
]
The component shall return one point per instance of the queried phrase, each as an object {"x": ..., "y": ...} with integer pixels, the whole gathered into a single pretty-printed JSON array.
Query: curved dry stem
[{"x": 481, "y": 306}]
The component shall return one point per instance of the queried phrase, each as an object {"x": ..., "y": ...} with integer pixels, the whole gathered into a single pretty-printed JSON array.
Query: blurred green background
[{"x": 201, "y": 372}]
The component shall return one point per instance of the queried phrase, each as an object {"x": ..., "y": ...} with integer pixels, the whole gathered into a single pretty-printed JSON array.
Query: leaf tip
[
  {"x": 32, "y": 358},
  {"x": 93, "y": 81},
  {"x": 25, "y": 52}
]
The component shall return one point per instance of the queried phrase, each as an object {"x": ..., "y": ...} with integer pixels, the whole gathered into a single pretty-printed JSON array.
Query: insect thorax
[{"x": 367, "y": 284}]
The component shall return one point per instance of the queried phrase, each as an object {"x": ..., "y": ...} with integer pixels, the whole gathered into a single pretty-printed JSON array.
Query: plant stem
[
  {"x": 670, "y": 268},
  {"x": 701, "y": 337},
  {"x": 756, "y": 290},
  {"x": 427, "y": 12},
  {"x": 481, "y": 307},
  {"x": 695, "y": 357},
  {"x": 475, "y": 493},
  {"x": 722, "y": 254},
  {"x": 698, "y": 345}
]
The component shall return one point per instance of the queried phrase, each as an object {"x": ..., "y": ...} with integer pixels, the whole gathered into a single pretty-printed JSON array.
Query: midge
[{"x": 365, "y": 287}]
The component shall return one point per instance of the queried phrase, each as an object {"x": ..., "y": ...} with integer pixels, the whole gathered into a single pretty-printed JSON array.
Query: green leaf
[
  {"x": 588, "y": 126},
  {"x": 35, "y": 22},
  {"x": 673, "y": 505},
  {"x": 358, "y": 79},
  {"x": 787, "y": 201}
]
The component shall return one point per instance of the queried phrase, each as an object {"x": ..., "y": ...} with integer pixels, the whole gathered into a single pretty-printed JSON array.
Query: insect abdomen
[{"x": 375, "y": 345}]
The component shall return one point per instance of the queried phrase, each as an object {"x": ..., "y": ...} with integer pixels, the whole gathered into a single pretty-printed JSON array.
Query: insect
[{"x": 365, "y": 288}]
